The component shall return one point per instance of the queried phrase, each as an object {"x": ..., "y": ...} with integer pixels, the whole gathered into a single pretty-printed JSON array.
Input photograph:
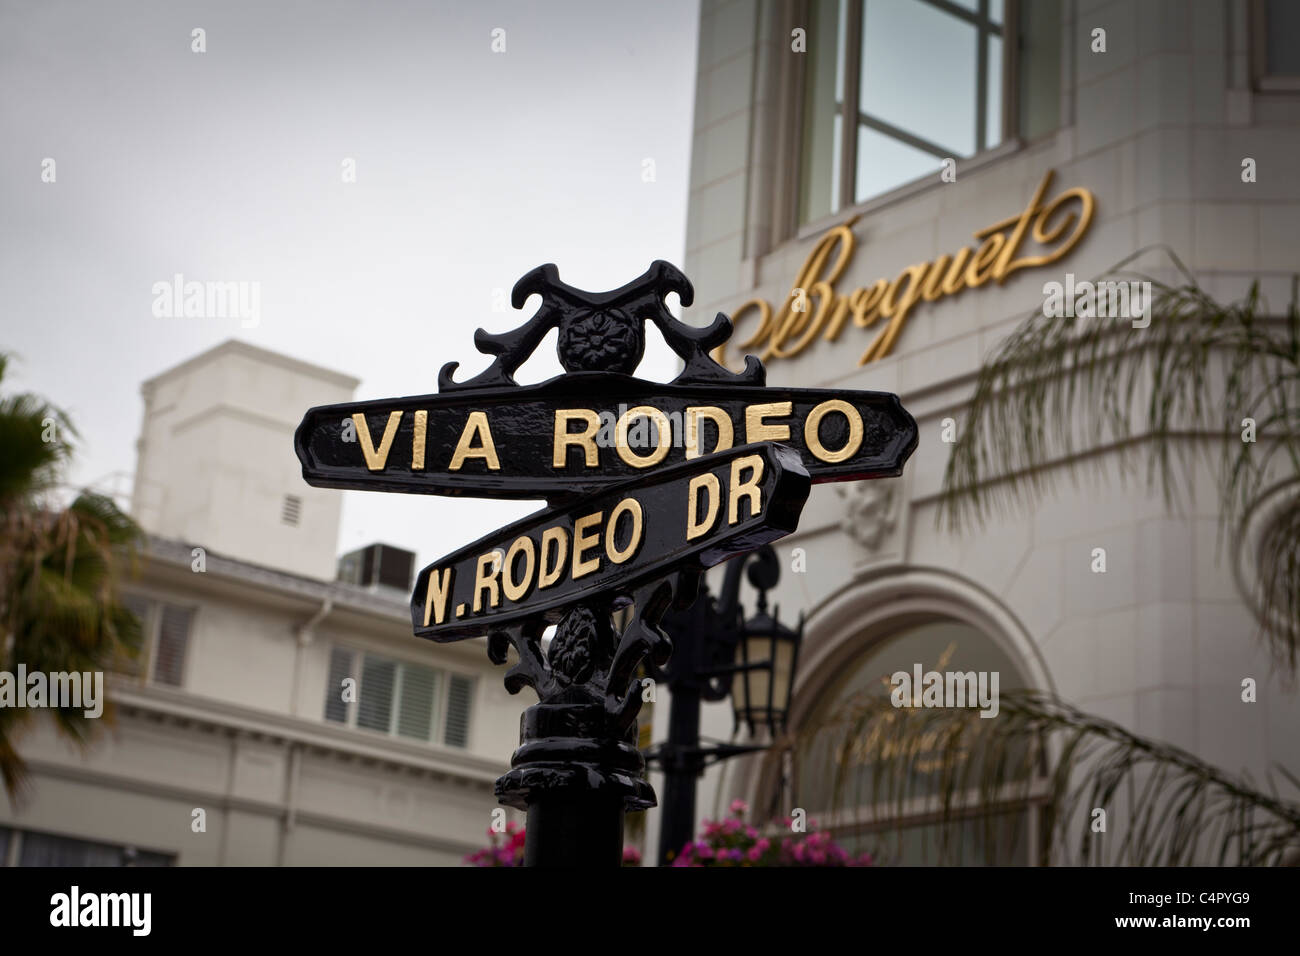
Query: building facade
[
  {"x": 233, "y": 739},
  {"x": 880, "y": 193}
]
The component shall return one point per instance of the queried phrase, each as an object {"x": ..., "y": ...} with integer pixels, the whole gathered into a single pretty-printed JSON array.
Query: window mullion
[
  {"x": 395, "y": 702},
  {"x": 354, "y": 709},
  {"x": 982, "y": 77},
  {"x": 151, "y": 626},
  {"x": 903, "y": 136},
  {"x": 1010, "y": 70},
  {"x": 441, "y": 701},
  {"x": 849, "y": 110}
]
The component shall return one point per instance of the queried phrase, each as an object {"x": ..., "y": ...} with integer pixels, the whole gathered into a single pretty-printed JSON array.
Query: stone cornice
[{"x": 184, "y": 709}]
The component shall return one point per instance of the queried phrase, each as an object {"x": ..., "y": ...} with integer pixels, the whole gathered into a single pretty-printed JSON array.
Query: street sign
[
  {"x": 647, "y": 485},
  {"x": 585, "y": 431},
  {"x": 693, "y": 514}
]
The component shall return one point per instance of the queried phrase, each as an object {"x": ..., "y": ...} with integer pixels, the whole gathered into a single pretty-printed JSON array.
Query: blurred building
[
  {"x": 236, "y": 706},
  {"x": 841, "y": 144}
]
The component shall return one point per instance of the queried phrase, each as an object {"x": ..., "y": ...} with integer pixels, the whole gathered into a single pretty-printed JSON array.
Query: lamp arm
[
  {"x": 731, "y": 669},
  {"x": 729, "y": 596}
]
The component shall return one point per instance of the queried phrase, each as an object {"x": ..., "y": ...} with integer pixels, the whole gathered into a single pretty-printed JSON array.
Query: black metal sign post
[{"x": 723, "y": 466}]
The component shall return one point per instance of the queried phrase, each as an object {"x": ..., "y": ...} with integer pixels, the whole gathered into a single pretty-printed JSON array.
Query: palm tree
[
  {"x": 60, "y": 610},
  {"x": 1202, "y": 377}
]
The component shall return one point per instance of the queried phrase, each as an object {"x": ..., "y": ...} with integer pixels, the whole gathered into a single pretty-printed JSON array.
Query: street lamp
[
  {"x": 766, "y": 655},
  {"x": 716, "y": 652}
]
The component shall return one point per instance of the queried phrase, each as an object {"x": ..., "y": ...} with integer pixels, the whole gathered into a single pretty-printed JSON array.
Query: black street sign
[
  {"x": 692, "y": 514},
  {"x": 647, "y": 485},
  {"x": 585, "y": 431},
  {"x": 596, "y": 425}
]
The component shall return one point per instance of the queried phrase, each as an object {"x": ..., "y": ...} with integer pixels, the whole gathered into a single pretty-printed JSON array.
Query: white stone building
[
  {"x": 1158, "y": 128},
  {"x": 235, "y": 707}
]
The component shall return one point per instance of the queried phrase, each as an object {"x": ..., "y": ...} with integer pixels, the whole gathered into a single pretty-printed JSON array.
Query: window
[
  {"x": 173, "y": 641},
  {"x": 46, "y": 849},
  {"x": 892, "y": 88},
  {"x": 459, "y": 694},
  {"x": 1276, "y": 55},
  {"x": 165, "y": 637},
  {"x": 399, "y": 698},
  {"x": 835, "y": 778},
  {"x": 134, "y": 666}
]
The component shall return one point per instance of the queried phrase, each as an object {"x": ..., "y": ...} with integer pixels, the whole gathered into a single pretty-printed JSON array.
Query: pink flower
[
  {"x": 739, "y": 807},
  {"x": 754, "y": 854}
]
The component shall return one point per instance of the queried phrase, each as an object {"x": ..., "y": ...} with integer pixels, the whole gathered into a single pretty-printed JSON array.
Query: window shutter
[
  {"x": 460, "y": 694},
  {"x": 124, "y": 663},
  {"x": 375, "y": 695},
  {"x": 173, "y": 642},
  {"x": 415, "y": 711},
  {"x": 341, "y": 661}
]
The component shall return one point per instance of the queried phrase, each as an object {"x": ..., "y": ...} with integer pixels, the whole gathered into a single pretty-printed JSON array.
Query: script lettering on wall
[{"x": 814, "y": 309}]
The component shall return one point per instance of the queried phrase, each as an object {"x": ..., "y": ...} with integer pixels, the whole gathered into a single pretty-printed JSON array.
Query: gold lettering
[
  {"x": 712, "y": 488},
  {"x": 896, "y": 312},
  {"x": 867, "y": 308},
  {"x": 955, "y": 280},
  {"x": 435, "y": 598},
  {"x": 548, "y": 576},
  {"x": 931, "y": 289},
  {"x": 979, "y": 271},
  {"x": 662, "y": 428},
  {"x": 827, "y": 301},
  {"x": 758, "y": 430},
  {"x": 583, "y": 542},
  {"x": 627, "y": 506},
  {"x": 515, "y": 590},
  {"x": 760, "y": 335},
  {"x": 812, "y": 436},
  {"x": 476, "y": 426},
  {"x": 375, "y": 460},
  {"x": 747, "y": 488},
  {"x": 1005, "y": 266},
  {"x": 585, "y": 438},
  {"x": 485, "y": 578},
  {"x": 418, "y": 439},
  {"x": 691, "y": 426},
  {"x": 789, "y": 332},
  {"x": 1046, "y": 236},
  {"x": 788, "y": 322}
]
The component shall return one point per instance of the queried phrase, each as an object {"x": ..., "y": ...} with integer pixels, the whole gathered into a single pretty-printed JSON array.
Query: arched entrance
[{"x": 895, "y": 621}]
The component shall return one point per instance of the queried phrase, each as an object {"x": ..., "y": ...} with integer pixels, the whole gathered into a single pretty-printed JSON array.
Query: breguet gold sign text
[{"x": 814, "y": 309}]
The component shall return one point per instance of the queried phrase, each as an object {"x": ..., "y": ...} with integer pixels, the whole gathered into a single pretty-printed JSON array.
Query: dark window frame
[
  {"x": 439, "y": 723},
  {"x": 1262, "y": 81},
  {"x": 1008, "y": 31}
]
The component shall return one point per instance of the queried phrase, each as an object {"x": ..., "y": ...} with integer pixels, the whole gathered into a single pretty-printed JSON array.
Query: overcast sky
[{"x": 472, "y": 167}]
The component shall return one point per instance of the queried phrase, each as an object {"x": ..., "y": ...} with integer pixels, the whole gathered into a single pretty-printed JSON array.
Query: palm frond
[
  {"x": 1060, "y": 391},
  {"x": 60, "y": 570},
  {"x": 1163, "y": 806}
]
